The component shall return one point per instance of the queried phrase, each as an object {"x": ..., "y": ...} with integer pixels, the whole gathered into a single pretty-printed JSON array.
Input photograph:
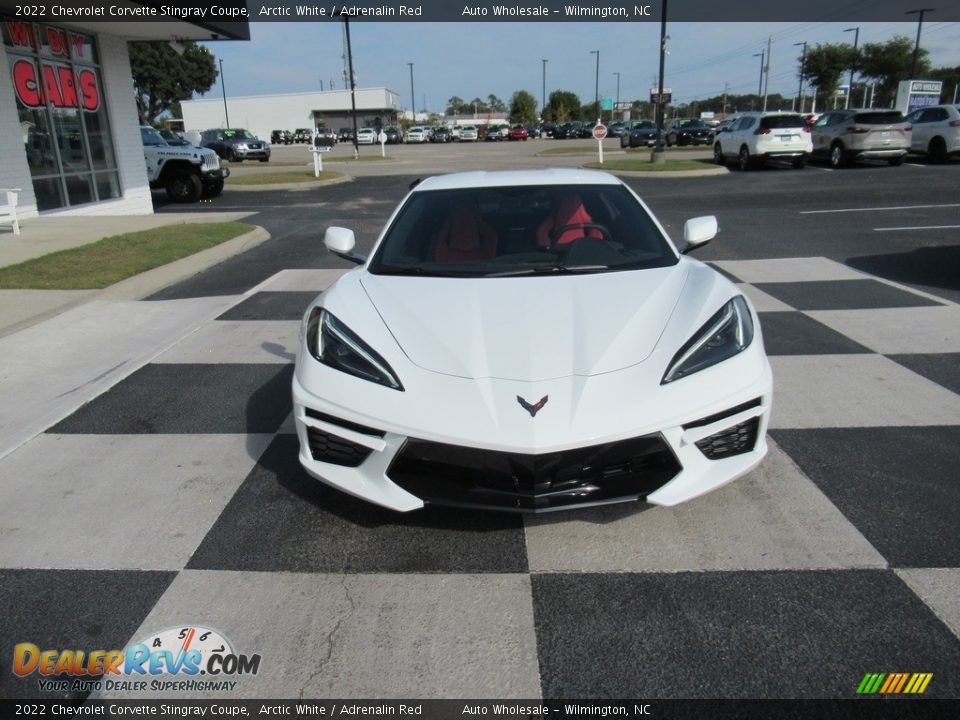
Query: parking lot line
[
  {"x": 918, "y": 227},
  {"x": 876, "y": 209}
]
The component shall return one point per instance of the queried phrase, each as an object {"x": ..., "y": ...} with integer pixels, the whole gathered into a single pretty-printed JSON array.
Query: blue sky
[{"x": 476, "y": 59}]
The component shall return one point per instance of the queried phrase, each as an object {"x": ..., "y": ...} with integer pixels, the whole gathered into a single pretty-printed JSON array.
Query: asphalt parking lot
[{"x": 175, "y": 497}]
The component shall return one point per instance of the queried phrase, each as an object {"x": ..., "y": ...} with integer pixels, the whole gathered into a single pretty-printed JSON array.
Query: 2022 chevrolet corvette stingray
[{"x": 529, "y": 341}]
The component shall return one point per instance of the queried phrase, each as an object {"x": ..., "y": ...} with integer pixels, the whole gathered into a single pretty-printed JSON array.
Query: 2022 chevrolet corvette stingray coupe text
[{"x": 529, "y": 341}]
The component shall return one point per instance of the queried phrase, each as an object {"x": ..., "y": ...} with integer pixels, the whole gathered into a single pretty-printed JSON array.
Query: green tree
[
  {"x": 562, "y": 106},
  {"x": 495, "y": 104},
  {"x": 456, "y": 106},
  {"x": 888, "y": 63},
  {"x": 950, "y": 77},
  {"x": 824, "y": 65},
  {"x": 162, "y": 77},
  {"x": 523, "y": 108}
]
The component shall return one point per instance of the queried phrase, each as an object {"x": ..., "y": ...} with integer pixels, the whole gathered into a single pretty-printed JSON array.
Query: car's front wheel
[
  {"x": 183, "y": 186},
  {"x": 718, "y": 154},
  {"x": 213, "y": 189}
]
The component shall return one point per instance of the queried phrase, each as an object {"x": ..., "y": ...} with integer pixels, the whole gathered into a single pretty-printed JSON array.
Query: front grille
[
  {"x": 735, "y": 440},
  {"x": 329, "y": 448},
  {"x": 611, "y": 472}
]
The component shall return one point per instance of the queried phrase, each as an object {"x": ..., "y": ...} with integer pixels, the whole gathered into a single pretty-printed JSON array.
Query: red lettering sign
[
  {"x": 60, "y": 88},
  {"x": 78, "y": 42},
  {"x": 21, "y": 34},
  {"x": 57, "y": 40}
]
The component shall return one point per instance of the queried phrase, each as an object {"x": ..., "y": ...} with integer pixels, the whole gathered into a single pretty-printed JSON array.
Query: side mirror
[
  {"x": 341, "y": 241},
  {"x": 698, "y": 231}
]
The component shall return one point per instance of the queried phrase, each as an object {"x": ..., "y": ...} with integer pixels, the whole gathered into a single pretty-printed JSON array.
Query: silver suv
[{"x": 845, "y": 136}]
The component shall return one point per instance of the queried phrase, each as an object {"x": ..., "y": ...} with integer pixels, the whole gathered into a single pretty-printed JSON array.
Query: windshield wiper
[{"x": 549, "y": 270}]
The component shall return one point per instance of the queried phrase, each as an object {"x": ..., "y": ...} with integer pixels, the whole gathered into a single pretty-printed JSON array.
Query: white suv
[
  {"x": 418, "y": 135},
  {"x": 936, "y": 131},
  {"x": 755, "y": 137}
]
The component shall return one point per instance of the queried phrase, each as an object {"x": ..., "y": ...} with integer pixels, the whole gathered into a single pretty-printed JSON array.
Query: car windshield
[
  {"x": 238, "y": 134},
  {"x": 149, "y": 136},
  {"x": 776, "y": 122},
  {"x": 523, "y": 230},
  {"x": 692, "y": 124},
  {"x": 644, "y": 125}
]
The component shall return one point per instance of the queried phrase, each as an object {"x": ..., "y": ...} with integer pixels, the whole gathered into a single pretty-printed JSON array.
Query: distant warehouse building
[
  {"x": 261, "y": 114},
  {"x": 68, "y": 119}
]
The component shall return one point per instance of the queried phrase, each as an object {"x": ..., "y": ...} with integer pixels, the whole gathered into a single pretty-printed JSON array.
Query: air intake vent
[
  {"x": 331, "y": 449},
  {"x": 736, "y": 440}
]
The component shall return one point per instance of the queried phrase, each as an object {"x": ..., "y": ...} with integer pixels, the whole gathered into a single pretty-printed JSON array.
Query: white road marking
[
  {"x": 876, "y": 209},
  {"x": 918, "y": 227}
]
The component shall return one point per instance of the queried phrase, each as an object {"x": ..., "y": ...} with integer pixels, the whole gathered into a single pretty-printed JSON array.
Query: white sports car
[{"x": 529, "y": 341}]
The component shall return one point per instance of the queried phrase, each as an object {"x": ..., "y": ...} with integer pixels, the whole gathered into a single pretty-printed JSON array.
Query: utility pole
[
  {"x": 766, "y": 83},
  {"x": 657, "y": 156},
  {"x": 543, "y": 97},
  {"x": 413, "y": 98},
  {"x": 353, "y": 88},
  {"x": 856, "y": 41},
  {"x": 223, "y": 86},
  {"x": 726, "y": 89},
  {"x": 916, "y": 47},
  {"x": 596, "y": 87},
  {"x": 762, "y": 55},
  {"x": 803, "y": 65},
  {"x": 618, "y": 91}
]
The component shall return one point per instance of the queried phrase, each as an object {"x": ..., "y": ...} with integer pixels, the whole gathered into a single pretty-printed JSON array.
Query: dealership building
[
  {"x": 261, "y": 114},
  {"x": 68, "y": 118}
]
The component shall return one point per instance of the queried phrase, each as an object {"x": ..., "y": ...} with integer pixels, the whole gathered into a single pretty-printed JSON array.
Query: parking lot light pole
[
  {"x": 353, "y": 85},
  {"x": 658, "y": 155},
  {"x": 916, "y": 47},
  {"x": 223, "y": 86},
  {"x": 853, "y": 62},
  {"x": 618, "y": 93},
  {"x": 596, "y": 86},
  {"x": 803, "y": 63},
  {"x": 413, "y": 98},
  {"x": 543, "y": 97},
  {"x": 762, "y": 55}
]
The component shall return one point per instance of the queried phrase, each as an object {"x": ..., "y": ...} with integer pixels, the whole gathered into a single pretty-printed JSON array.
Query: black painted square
[
  {"x": 898, "y": 485},
  {"x": 794, "y": 634},
  {"x": 271, "y": 305},
  {"x": 71, "y": 610},
  {"x": 281, "y": 519},
  {"x": 189, "y": 398},
  {"x": 942, "y": 368},
  {"x": 842, "y": 295},
  {"x": 793, "y": 333}
]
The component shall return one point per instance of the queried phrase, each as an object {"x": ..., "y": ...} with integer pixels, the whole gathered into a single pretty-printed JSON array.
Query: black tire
[
  {"x": 895, "y": 162},
  {"x": 718, "y": 157},
  {"x": 744, "y": 161},
  {"x": 800, "y": 163},
  {"x": 938, "y": 150},
  {"x": 668, "y": 141},
  {"x": 183, "y": 186},
  {"x": 838, "y": 156},
  {"x": 212, "y": 189}
]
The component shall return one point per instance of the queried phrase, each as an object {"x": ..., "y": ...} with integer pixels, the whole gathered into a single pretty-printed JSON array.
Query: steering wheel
[{"x": 557, "y": 233}]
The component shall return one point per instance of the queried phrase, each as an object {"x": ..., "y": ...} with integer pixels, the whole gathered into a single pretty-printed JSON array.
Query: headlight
[
  {"x": 724, "y": 335},
  {"x": 337, "y": 346}
]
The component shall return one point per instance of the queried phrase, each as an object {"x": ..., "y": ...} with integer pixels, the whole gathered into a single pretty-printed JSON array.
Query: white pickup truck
[{"x": 187, "y": 173}]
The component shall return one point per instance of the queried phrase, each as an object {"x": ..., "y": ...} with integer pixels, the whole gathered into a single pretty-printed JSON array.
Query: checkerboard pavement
[{"x": 176, "y": 498}]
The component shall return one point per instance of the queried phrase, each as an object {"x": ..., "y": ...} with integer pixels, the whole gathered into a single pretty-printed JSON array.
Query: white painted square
[
  {"x": 823, "y": 391},
  {"x": 804, "y": 269},
  {"x": 775, "y": 518},
  {"x": 300, "y": 280},
  {"x": 939, "y": 588},
  {"x": 117, "y": 501},
  {"x": 237, "y": 341},
  {"x": 898, "y": 330}
]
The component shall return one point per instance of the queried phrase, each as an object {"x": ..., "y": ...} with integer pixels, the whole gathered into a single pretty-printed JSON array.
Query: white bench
[{"x": 8, "y": 211}]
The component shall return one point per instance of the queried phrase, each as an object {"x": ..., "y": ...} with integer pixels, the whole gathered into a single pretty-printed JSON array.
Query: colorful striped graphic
[{"x": 894, "y": 683}]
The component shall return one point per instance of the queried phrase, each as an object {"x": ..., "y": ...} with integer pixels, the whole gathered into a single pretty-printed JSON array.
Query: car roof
[{"x": 511, "y": 178}]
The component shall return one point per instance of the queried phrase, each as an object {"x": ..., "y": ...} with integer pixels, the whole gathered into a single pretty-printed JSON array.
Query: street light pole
[
  {"x": 856, "y": 41},
  {"x": 543, "y": 97},
  {"x": 657, "y": 156},
  {"x": 916, "y": 47},
  {"x": 353, "y": 87},
  {"x": 762, "y": 55},
  {"x": 413, "y": 98},
  {"x": 618, "y": 91},
  {"x": 803, "y": 62},
  {"x": 223, "y": 86},
  {"x": 596, "y": 86}
]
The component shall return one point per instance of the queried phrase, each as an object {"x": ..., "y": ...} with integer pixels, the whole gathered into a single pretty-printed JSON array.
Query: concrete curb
[
  {"x": 305, "y": 185},
  {"x": 706, "y": 172},
  {"x": 151, "y": 281}
]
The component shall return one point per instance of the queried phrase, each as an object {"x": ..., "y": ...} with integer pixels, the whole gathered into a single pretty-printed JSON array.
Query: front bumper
[
  {"x": 663, "y": 465},
  {"x": 251, "y": 154},
  {"x": 221, "y": 173}
]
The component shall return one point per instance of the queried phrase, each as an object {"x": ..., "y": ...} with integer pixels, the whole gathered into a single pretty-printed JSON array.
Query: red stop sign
[{"x": 599, "y": 131}]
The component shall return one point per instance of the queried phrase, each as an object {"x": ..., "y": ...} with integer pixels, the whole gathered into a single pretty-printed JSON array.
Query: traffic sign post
[
  {"x": 382, "y": 139},
  {"x": 320, "y": 146},
  {"x": 599, "y": 133}
]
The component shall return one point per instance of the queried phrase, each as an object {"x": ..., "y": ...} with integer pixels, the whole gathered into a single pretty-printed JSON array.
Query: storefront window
[{"x": 63, "y": 116}]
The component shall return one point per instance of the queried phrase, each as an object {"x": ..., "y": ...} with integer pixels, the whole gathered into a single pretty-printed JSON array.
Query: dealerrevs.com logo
[{"x": 186, "y": 658}]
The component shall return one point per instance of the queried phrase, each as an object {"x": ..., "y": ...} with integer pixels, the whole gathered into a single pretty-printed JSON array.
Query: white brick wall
[
  {"x": 14, "y": 171},
  {"x": 117, "y": 85}
]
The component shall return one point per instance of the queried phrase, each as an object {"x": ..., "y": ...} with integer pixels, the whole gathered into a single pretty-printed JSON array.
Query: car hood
[{"x": 530, "y": 328}]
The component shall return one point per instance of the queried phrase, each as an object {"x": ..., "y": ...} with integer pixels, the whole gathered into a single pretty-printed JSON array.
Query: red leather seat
[
  {"x": 569, "y": 211},
  {"x": 465, "y": 236}
]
